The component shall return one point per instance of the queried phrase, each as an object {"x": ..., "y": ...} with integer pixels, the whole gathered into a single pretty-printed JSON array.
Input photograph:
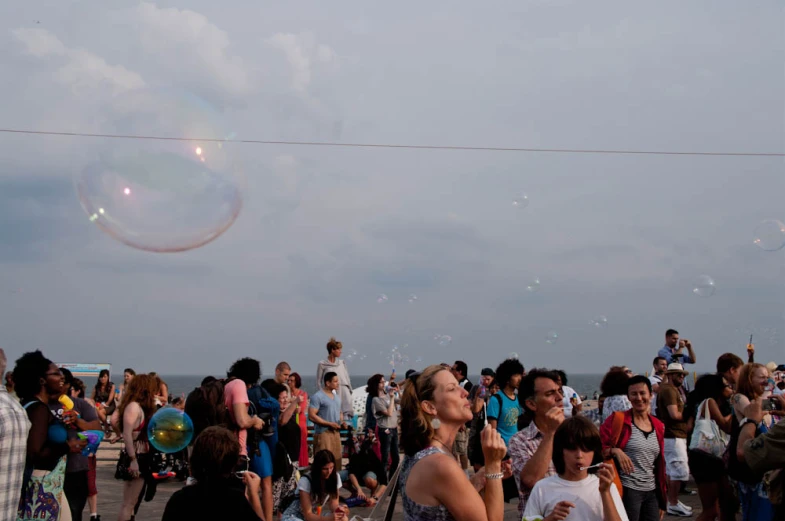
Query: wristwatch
[{"x": 745, "y": 421}]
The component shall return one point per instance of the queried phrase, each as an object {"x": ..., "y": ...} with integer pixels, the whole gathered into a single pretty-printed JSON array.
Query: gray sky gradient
[{"x": 324, "y": 231}]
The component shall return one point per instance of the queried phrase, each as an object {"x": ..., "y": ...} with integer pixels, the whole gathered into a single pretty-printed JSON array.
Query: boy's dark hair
[
  {"x": 215, "y": 454},
  {"x": 728, "y": 361},
  {"x": 526, "y": 389},
  {"x": 507, "y": 370},
  {"x": 671, "y": 332},
  {"x": 576, "y": 432},
  {"x": 639, "y": 379},
  {"x": 246, "y": 369},
  {"x": 329, "y": 376},
  {"x": 462, "y": 368}
]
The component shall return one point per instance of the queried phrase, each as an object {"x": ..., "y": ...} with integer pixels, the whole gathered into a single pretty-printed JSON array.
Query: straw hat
[{"x": 676, "y": 368}]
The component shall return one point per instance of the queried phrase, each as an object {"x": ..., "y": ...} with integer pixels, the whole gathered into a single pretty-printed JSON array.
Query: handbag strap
[{"x": 702, "y": 413}]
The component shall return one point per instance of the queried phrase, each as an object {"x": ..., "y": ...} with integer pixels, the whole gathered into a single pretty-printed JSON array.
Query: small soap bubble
[
  {"x": 770, "y": 235},
  {"x": 551, "y": 337},
  {"x": 351, "y": 356},
  {"x": 381, "y": 298},
  {"x": 533, "y": 286},
  {"x": 413, "y": 298},
  {"x": 170, "y": 430},
  {"x": 520, "y": 200},
  {"x": 704, "y": 286},
  {"x": 444, "y": 340},
  {"x": 600, "y": 321},
  {"x": 513, "y": 356},
  {"x": 162, "y": 195}
]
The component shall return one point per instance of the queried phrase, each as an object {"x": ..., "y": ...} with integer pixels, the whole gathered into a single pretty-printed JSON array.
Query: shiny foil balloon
[
  {"x": 170, "y": 430},
  {"x": 162, "y": 195}
]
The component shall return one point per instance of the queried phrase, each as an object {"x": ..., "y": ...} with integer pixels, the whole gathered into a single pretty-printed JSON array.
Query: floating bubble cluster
[
  {"x": 443, "y": 340},
  {"x": 413, "y": 298},
  {"x": 381, "y": 298},
  {"x": 162, "y": 195},
  {"x": 520, "y": 200},
  {"x": 600, "y": 321},
  {"x": 170, "y": 430},
  {"x": 769, "y": 235},
  {"x": 704, "y": 286},
  {"x": 551, "y": 337},
  {"x": 534, "y": 285}
]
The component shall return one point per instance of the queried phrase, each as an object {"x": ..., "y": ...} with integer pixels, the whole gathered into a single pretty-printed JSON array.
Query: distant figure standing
[
  {"x": 671, "y": 353},
  {"x": 334, "y": 365}
]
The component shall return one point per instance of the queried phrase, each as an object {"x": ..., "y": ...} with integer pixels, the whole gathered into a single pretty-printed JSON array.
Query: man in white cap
[
  {"x": 14, "y": 427},
  {"x": 670, "y": 409}
]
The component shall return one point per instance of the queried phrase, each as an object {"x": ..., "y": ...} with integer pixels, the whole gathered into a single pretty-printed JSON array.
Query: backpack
[
  {"x": 206, "y": 407},
  {"x": 261, "y": 404}
]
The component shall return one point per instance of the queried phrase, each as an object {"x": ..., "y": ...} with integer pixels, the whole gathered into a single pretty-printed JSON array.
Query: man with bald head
[{"x": 14, "y": 426}]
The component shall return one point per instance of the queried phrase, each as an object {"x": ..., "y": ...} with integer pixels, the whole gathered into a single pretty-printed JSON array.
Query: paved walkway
[{"x": 110, "y": 497}]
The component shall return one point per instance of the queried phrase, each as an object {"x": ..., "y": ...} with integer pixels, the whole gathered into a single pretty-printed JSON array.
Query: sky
[{"x": 324, "y": 231}]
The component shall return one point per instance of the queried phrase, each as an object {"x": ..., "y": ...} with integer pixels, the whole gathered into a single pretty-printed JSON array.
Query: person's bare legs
[
  {"x": 92, "y": 503},
  {"x": 267, "y": 497},
  {"x": 131, "y": 490},
  {"x": 709, "y": 494},
  {"x": 674, "y": 486}
]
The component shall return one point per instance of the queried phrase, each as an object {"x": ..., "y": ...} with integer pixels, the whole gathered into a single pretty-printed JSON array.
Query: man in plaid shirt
[
  {"x": 14, "y": 426},
  {"x": 531, "y": 449}
]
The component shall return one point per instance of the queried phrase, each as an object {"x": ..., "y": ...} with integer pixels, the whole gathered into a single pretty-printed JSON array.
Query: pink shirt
[{"x": 237, "y": 392}]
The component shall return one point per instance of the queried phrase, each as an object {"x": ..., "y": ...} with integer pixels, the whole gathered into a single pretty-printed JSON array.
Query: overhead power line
[{"x": 401, "y": 146}]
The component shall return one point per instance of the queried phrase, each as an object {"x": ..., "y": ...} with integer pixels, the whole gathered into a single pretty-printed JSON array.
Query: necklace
[{"x": 441, "y": 443}]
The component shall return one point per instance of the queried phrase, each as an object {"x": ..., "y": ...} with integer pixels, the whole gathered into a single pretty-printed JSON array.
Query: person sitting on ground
[
  {"x": 365, "y": 469},
  {"x": 315, "y": 491},
  {"x": 591, "y": 492},
  {"x": 432, "y": 484},
  {"x": 216, "y": 493}
]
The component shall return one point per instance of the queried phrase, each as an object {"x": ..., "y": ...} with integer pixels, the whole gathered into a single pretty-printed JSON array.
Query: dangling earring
[{"x": 436, "y": 423}]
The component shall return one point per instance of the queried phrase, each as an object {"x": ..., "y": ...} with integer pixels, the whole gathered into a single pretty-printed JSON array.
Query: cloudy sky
[{"x": 323, "y": 231}]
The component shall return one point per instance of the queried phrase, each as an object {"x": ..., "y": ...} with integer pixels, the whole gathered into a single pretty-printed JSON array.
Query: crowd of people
[{"x": 468, "y": 447}]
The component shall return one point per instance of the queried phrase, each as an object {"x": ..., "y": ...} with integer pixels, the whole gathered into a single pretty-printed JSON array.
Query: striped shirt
[
  {"x": 643, "y": 448},
  {"x": 14, "y": 427}
]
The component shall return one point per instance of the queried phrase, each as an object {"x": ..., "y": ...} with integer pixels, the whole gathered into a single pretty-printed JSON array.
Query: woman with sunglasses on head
[
  {"x": 37, "y": 380},
  {"x": 433, "y": 485},
  {"x": 218, "y": 492}
]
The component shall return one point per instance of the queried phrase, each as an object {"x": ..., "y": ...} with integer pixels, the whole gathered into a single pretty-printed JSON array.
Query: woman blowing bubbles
[{"x": 433, "y": 485}]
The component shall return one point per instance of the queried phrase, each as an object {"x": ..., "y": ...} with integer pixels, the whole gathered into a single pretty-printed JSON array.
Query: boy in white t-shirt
[{"x": 575, "y": 493}]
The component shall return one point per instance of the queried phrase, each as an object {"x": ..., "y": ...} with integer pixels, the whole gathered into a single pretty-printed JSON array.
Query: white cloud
[
  {"x": 302, "y": 52},
  {"x": 82, "y": 68},
  {"x": 202, "y": 48}
]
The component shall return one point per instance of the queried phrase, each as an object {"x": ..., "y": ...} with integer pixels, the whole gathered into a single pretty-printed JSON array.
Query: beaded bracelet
[{"x": 497, "y": 475}]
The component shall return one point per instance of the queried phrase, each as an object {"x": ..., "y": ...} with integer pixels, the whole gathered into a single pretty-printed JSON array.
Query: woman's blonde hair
[
  {"x": 416, "y": 429},
  {"x": 142, "y": 390},
  {"x": 744, "y": 380}
]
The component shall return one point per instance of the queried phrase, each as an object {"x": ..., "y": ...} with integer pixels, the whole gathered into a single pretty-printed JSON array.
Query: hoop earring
[{"x": 436, "y": 423}]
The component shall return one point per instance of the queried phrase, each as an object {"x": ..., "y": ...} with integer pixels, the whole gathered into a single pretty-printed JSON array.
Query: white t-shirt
[
  {"x": 568, "y": 393},
  {"x": 304, "y": 485},
  {"x": 655, "y": 380},
  {"x": 585, "y": 494}
]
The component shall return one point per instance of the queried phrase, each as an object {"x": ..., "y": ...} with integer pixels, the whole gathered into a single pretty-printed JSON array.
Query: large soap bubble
[
  {"x": 170, "y": 430},
  {"x": 162, "y": 195}
]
